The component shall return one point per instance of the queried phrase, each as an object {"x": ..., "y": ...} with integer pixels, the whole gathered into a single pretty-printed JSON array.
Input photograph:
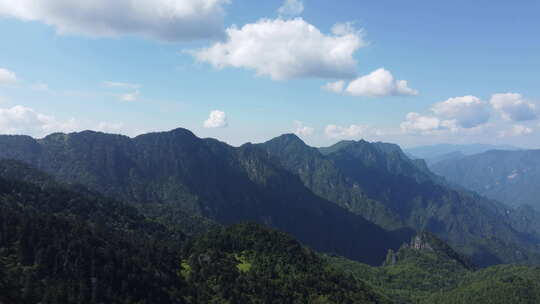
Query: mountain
[
  {"x": 176, "y": 171},
  {"x": 421, "y": 267},
  {"x": 60, "y": 246},
  {"x": 454, "y": 156},
  {"x": 379, "y": 182},
  {"x": 335, "y": 200},
  {"x": 511, "y": 177},
  {"x": 66, "y": 244},
  {"x": 321, "y": 176},
  {"x": 248, "y": 263},
  {"x": 495, "y": 285},
  {"x": 427, "y": 270},
  {"x": 435, "y": 153}
]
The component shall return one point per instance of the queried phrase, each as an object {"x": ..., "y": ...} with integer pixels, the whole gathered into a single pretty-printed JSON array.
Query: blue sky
[{"x": 413, "y": 73}]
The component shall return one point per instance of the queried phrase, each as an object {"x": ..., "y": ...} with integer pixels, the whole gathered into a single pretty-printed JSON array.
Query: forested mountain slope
[
  {"x": 203, "y": 177},
  {"x": 49, "y": 253},
  {"x": 322, "y": 197},
  {"x": 379, "y": 182},
  {"x": 60, "y": 244},
  {"x": 426, "y": 270}
]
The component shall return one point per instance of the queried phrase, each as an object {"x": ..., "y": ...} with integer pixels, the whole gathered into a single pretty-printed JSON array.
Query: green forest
[{"x": 279, "y": 222}]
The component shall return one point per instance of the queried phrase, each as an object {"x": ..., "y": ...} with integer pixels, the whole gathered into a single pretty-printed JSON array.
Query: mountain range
[
  {"x": 510, "y": 177},
  {"x": 436, "y": 153},
  {"x": 98, "y": 218},
  {"x": 65, "y": 244},
  {"x": 356, "y": 199},
  {"x": 206, "y": 178}
]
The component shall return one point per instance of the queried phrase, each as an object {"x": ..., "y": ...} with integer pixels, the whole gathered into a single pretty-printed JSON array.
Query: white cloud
[
  {"x": 21, "y": 120},
  {"x": 302, "y": 130},
  {"x": 109, "y": 127},
  {"x": 285, "y": 49},
  {"x": 345, "y": 28},
  {"x": 516, "y": 130},
  {"x": 291, "y": 8},
  {"x": 350, "y": 132},
  {"x": 114, "y": 84},
  {"x": 335, "y": 87},
  {"x": 24, "y": 120},
  {"x": 133, "y": 96},
  {"x": 513, "y": 107},
  {"x": 415, "y": 123},
  {"x": 162, "y": 19},
  {"x": 379, "y": 83},
  {"x": 467, "y": 111},
  {"x": 7, "y": 76},
  {"x": 217, "y": 119}
]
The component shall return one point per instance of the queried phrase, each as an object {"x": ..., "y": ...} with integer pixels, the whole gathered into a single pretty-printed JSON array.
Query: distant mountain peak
[
  {"x": 58, "y": 136},
  {"x": 288, "y": 139},
  {"x": 181, "y": 131},
  {"x": 178, "y": 134},
  {"x": 288, "y": 144}
]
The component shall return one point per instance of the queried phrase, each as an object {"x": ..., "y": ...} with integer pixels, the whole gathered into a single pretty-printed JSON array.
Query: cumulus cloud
[
  {"x": 217, "y": 119},
  {"x": 379, "y": 83},
  {"x": 416, "y": 123},
  {"x": 23, "y": 120},
  {"x": 513, "y": 106},
  {"x": 467, "y": 111},
  {"x": 516, "y": 130},
  {"x": 285, "y": 49},
  {"x": 348, "y": 132},
  {"x": 115, "y": 84},
  {"x": 178, "y": 20},
  {"x": 335, "y": 87},
  {"x": 7, "y": 76},
  {"x": 291, "y": 8},
  {"x": 302, "y": 130}
]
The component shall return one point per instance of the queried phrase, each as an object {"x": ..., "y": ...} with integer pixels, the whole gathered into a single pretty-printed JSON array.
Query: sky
[{"x": 407, "y": 72}]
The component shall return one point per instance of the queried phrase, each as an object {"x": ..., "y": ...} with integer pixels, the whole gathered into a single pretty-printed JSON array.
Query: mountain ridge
[
  {"x": 406, "y": 189},
  {"x": 336, "y": 201},
  {"x": 207, "y": 178},
  {"x": 507, "y": 176}
]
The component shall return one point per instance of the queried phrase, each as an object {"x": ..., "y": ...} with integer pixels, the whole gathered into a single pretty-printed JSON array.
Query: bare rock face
[
  {"x": 427, "y": 247},
  {"x": 391, "y": 258},
  {"x": 419, "y": 242}
]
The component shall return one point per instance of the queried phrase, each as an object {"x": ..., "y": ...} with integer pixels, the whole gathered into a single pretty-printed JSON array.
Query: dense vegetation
[
  {"x": 379, "y": 182},
  {"x": 65, "y": 244},
  {"x": 112, "y": 219},
  {"x": 60, "y": 246},
  {"x": 251, "y": 264},
  {"x": 495, "y": 285},
  {"x": 428, "y": 271},
  {"x": 322, "y": 197},
  {"x": 177, "y": 173}
]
